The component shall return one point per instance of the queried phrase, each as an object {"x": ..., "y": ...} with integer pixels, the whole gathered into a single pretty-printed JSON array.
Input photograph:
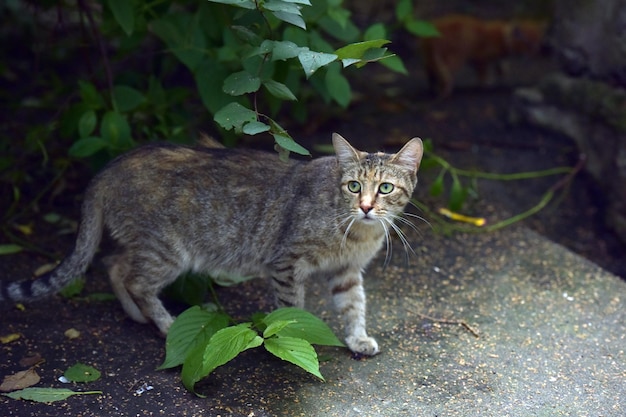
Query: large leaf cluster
[
  {"x": 202, "y": 340},
  {"x": 247, "y": 58}
]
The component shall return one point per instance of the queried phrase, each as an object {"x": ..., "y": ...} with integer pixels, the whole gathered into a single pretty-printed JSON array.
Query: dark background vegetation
[{"x": 63, "y": 61}]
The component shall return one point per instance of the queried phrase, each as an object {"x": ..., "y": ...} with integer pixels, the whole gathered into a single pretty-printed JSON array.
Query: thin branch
[
  {"x": 96, "y": 33},
  {"x": 452, "y": 322}
]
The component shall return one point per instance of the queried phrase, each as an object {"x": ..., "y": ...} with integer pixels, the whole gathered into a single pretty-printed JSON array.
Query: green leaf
[
  {"x": 286, "y": 142},
  {"x": 85, "y": 147},
  {"x": 90, "y": 95},
  {"x": 73, "y": 288},
  {"x": 306, "y": 326},
  {"x": 281, "y": 6},
  {"x": 338, "y": 88},
  {"x": 375, "y": 31},
  {"x": 339, "y": 15},
  {"x": 101, "y": 297},
  {"x": 404, "y": 10},
  {"x": 184, "y": 38},
  {"x": 234, "y": 115},
  {"x": 192, "y": 328},
  {"x": 394, "y": 63},
  {"x": 248, "y": 36},
  {"x": 254, "y": 128},
  {"x": 357, "y": 50},
  {"x": 292, "y": 18},
  {"x": 115, "y": 130},
  {"x": 224, "y": 346},
  {"x": 422, "y": 28},
  {"x": 312, "y": 61},
  {"x": 87, "y": 123},
  {"x": 46, "y": 395},
  {"x": 279, "y": 90},
  {"x": 127, "y": 98},
  {"x": 297, "y": 351},
  {"x": 10, "y": 249},
  {"x": 275, "y": 327},
  {"x": 210, "y": 76},
  {"x": 123, "y": 13},
  {"x": 346, "y": 34},
  {"x": 283, "y": 50},
  {"x": 244, "y": 4},
  {"x": 457, "y": 194},
  {"x": 240, "y": 83},
  {"x": 436, "y": 187},
  {"x": 82, "y": 373},
  {"x": 189, "y": 288}
]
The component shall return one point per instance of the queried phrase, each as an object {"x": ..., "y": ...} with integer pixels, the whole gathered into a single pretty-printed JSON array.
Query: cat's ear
[
  {"x": 410, "y": 156},
  {"x": 345, "y": 152}
]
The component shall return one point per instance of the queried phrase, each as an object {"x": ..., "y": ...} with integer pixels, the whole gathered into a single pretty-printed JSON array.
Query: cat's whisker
[
  {"x": 345, "y": 234},
  {"x": 402, "y": 220},
  {"x": 416, "y": 216},
  {"x": 388, "y": 245},
  {"x": 412, "y": 203},
  {"x": 405, "y": 243},
  {"x": 420, "y": 218}
]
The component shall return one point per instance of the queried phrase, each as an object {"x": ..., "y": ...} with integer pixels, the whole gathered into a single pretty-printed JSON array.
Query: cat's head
[{"x": 377, "y": 186}]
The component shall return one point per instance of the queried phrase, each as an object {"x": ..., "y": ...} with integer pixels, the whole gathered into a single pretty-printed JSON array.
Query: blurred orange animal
[{"x": 483, "y": 44}]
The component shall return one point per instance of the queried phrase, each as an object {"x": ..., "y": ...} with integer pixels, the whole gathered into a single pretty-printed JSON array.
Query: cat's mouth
[{"x": 368, "y": 218}]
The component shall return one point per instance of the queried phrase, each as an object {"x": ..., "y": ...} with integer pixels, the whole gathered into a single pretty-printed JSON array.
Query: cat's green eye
[
  {"x": 385, "y": 188},
  {"x": 354, "y": 186}
]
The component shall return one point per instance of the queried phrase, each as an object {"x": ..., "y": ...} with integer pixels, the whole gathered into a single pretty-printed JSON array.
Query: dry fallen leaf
[
  {"x": 31, "y": 359},
  {"x": 20, "y": 380}
]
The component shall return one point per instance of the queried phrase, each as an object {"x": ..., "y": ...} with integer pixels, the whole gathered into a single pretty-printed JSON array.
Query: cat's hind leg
[
  {"x": 349, "y": 299},
  {"x": 137, "y": 283},
  {"x": 119, "y": 269}
]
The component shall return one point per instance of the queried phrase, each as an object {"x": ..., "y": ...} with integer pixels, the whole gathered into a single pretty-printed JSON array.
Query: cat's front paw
[{"x": 363, "y": 345}]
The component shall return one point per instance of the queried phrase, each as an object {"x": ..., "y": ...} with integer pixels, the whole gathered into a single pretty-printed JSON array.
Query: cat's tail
[{"x": 73, "y": 266}]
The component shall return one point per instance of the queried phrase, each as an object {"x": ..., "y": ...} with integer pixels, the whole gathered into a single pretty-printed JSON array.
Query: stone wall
[{"x": 587, "y": 101}]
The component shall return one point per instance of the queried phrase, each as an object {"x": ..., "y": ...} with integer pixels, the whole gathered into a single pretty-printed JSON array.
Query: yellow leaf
[
  {"x": 476, "y": 221},
  {"x": 26, "y": 229},
  {"x": 9, "y": 338},
  {"x": 45, "y": 268},
  {"x": 72, "y": 333}
]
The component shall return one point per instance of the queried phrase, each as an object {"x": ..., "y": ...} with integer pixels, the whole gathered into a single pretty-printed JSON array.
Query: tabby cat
[{"x": 172, "y": 209}]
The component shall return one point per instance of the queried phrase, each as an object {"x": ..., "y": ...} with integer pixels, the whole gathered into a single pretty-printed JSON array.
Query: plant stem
[
  {"x": 500, "y": 177},
  {"x": 545, "y": 199}
]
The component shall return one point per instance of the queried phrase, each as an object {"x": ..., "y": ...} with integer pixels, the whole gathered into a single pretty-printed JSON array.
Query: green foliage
[
  {"x": 10, "y": 249},
  {"x": 405, "y": 16},
  {"x": 463, "y": 183},
  {"x": 139, "y": 71},
  {"x": 241, "y": 54},
  {"x": 202, "y": 340},
  {"x": 81, "y": 373},
  {"x": 46, "y": 395}
]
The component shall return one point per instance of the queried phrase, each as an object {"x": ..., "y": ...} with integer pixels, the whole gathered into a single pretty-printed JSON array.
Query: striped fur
[{"x": 172, "y": 209}]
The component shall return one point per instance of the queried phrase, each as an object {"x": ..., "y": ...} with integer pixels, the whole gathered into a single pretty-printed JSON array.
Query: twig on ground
[{"x": 461, "y": 323}]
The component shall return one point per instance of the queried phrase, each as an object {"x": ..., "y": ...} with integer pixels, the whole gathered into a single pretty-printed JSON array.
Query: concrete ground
[
  {"x": 499, "y": 324},
  {"x": 524, "y": 328}
]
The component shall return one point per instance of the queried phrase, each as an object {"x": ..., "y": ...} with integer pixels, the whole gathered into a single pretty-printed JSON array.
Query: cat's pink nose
[{"x": 366, "y": 208}]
